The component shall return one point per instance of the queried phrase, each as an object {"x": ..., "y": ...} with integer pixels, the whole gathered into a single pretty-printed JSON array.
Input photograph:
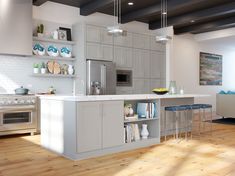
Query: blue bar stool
[
  {"x": 175, "y": 109},
  {"x": 202, "y": 116}
]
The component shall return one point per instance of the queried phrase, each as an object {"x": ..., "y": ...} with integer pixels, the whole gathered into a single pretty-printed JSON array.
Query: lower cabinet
[
  {"x": 112, "y": 123},
  {"x": 100, "y": 125},
  {"x": 89, "y": 126}
]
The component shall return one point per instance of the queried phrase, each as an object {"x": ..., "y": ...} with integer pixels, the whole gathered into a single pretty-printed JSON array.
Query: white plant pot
[
  {"x": 36, "y": 70},
  {"x": 40, "y": 35},
  {"x": 144, "y": 131},
  {"x": 43, "y": 70}
]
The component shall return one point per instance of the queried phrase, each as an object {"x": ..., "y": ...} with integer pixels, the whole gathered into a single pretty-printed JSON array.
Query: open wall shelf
[
  {"x": 65, "y": 42},
  {"x": 54, "y": 58},
  {"x": 54, "y": 75}
]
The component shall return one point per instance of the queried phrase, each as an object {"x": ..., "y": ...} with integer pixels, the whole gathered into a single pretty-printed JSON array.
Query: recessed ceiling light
[
  {"x": 130, "y": 3},
  {"x": 164, "y": 13},
  {"x": 192, "y": 21}
]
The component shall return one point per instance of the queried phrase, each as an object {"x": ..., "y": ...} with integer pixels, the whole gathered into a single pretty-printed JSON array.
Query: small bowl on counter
[{"x": 160, "y": 91}]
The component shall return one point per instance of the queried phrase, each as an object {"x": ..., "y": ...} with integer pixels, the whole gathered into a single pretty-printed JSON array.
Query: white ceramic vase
[
  {"x": 36, "y": 70},
  {"x": 43, "y": 70},
  {"x": 144, "y": 132},
  {"x": 70, "y": 70}
]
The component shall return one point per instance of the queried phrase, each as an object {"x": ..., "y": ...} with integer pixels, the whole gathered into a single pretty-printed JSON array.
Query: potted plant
[
  {"x": 43, "y": 68},
  {"x": 40, "y": 30},
  {"x": 36, "y": 68}
]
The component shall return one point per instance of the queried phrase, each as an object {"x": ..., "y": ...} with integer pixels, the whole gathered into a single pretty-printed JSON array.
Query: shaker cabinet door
[
  {"x": 93, "y": 34},
  {"x": 155, "y": 64},
  {"x": 123, "y": 57},
  {"x": 89, "y": 126},
  {"x": 141, "y": 63},
  {"x": 113, "y": 134},
  {"x": 107, "y": 52},
  {"x": 93, "y": 51}
]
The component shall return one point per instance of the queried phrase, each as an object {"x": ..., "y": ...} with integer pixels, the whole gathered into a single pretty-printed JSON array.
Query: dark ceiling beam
[
  {"x": 198, "y": 15},
  {"x": 209, "y": 26},
  {"x": 39, "y": 2},
  {"x": 148, "y": 11},
  {"x": 94, "y": 6}
]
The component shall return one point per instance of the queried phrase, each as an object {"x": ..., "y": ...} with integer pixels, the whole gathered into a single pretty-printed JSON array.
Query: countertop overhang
[{"x": 84, "y": 98}]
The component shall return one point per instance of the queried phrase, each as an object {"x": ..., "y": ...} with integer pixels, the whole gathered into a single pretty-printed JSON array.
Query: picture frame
[
  {"x": 68, "y": 32},
  {"x": 62, "y": 34},
  {"x": 211, "y": 72}
]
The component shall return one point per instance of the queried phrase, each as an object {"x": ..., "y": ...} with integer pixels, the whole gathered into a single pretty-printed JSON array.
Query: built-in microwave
[{"x": 124, "y": 78}]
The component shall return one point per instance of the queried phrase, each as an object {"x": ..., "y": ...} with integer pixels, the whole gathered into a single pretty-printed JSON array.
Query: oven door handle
[{"x": 17, "y": 108}]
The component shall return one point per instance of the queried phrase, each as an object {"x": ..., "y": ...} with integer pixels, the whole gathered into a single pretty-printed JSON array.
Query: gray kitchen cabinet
[
  {"x": 155, "y": 64},
  {"x": 107, "y": 51},
  {"x": 113, "y": 123},
  {"x": 105, "y": 37},
  {"x": 155, "y": 45},
  {"x": 123, "y": 57},
  {"x": 89, "y": 126},
  {"x": 141, "y": 41},
  {"x": 125, "y": 40},
  {"x": 94, "y": 51},
  {"x": 141, "y": 86},
  {"x": 141, "y": 63},
  {"x": 93, "y": 34},
  {"x": 124, "y": 90},
  {"x": 16, "y": 27},
  {"x": 155, "y": 83},
  {"x": 99, "y": 125}
]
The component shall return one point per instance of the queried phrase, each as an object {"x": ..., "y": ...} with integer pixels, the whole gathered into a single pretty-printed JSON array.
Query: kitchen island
[{"x": 80, "y": 127}]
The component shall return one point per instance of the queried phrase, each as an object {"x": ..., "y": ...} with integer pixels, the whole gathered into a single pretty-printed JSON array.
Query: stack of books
[
  {"x": 132, "y": 133},
  {"x": 147, "y": 110}
]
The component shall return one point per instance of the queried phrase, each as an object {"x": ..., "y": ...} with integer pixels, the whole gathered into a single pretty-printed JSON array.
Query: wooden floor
[{"x": 209, "y": 156}]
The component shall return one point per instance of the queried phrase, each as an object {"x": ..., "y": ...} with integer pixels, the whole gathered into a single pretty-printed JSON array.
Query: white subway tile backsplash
[{"x": 16, "y": 71}]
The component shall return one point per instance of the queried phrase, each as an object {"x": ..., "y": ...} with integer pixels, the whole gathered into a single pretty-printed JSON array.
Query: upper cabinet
[
  {"x": 123, "y": 57},
  {"x": 156, "y": 60},
  {"x": 93, "y": 34},
  {"x": 141, "y": 63},
  {"x": 125, "y": 40},
  {"x": 141, "y": 41},
  {"x": 16, "y": 27},
  {"x": 155, "y": 45},
  {"x": 105, "y": 37}
]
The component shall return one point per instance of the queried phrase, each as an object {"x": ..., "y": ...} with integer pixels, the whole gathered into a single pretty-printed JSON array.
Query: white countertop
[{"x": 118, "y": 97}]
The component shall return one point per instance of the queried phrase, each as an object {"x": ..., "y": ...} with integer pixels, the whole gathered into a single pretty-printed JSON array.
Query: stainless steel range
[{"x": 18, "y": 114}]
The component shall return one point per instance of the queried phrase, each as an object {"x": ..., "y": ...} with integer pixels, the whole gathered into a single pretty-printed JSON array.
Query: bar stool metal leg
[
  {"x": 200, "y": 119},
  {"x": 186, "y": 124},
  {"x": 165, "y": 130},
  {"x": 211, "y": 121}
]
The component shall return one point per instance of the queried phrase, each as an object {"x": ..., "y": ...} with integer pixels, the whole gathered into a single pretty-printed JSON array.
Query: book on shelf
[
  {"x": 132, "y": 133},
  {"x": 147, "y": 110}
]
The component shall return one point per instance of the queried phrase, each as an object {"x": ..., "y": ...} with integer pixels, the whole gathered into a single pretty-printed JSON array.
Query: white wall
[
  {"x": 16, "y": 71},
  {"x": 184, "y": 64}
]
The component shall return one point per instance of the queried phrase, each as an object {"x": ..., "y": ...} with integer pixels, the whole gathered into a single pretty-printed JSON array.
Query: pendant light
[
  {"x": 163, "y": 37},
  {"x": 116, "y": 29}
]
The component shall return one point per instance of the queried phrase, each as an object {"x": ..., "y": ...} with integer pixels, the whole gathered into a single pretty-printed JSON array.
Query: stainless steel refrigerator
[{"x": 101, "y": 77}]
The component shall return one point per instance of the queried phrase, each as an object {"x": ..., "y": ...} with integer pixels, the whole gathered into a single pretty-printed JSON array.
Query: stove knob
[
  {"x": 22, "y": 101},
  {"x": 33, "y": 101},
  {"x": 28, "y": 101}
]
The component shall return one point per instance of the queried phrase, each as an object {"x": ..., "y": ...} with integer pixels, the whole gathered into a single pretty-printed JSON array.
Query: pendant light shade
[
  {"x": 163, "y": 37},
  {"x": 116, "y": 28}
]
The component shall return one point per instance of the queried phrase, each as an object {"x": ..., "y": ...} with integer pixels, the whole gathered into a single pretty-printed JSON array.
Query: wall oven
[{"x": 124, "y": 78}]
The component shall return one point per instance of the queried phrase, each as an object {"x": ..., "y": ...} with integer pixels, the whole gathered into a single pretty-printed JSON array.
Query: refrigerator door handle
[{"x": 103, "y": 79}]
